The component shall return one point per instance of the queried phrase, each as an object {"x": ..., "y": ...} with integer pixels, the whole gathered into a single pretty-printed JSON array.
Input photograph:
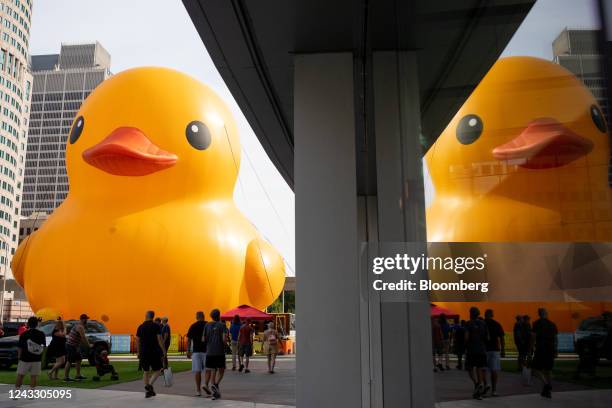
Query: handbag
[{"x": 168, "y": 377}]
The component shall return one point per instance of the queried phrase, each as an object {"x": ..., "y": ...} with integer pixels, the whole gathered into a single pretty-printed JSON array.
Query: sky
[
  {"x": 160, "y": 33},
  {"x": 545, "y": 21}
]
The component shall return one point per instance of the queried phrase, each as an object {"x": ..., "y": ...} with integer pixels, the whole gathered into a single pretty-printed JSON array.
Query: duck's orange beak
[
  {"x": 128, "y": 152},
  {"x": 545, "y": 143}
]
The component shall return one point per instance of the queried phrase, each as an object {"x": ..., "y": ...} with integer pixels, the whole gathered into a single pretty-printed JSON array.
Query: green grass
[
  {"x": 127, "y": 370},
  {"x": 564, "y": 371}
]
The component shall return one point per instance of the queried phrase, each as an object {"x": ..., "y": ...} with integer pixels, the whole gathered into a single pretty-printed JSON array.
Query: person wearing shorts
[
  {"x": 245, "y": 346},
  {"x": 476, "y": 356},
  {"x": 76, "y": 338},
  {"x": 270, "y": 341},
  {"x": 151, "y": 351},
  {"x": 196, "y": 350},
  {"x": 29, "y": 353},
  {"x": 495, "y": 346},
  {"x": 215, "y": 337}
]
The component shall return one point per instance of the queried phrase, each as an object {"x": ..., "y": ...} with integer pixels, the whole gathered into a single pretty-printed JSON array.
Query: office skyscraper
[
  {"x": 61, "y": 83},
  {"x": 15, "y": 88},
  {"x": 579, "y": 52}
]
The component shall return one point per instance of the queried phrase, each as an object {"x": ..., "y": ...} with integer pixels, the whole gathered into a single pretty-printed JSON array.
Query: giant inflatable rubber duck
[
  {"x": 149, "y": 222},
  {"x": 525, "y": 159}
]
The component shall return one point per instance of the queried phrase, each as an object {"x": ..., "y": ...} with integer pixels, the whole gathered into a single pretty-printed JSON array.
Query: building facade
[
  {"x": 61, "y": 83},
  {"x": 15, "y": 95},
  {"x": 30, "y": 224},
  {"x": 579, "y": 51}
]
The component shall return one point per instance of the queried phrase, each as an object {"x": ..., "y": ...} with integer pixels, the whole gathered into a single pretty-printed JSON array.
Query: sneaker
[
  {"x": 234, "y": 368},
  {"x": 440, "y": 367},
  {"x": 478, "y": 392},
  {"x": 80, "y": 378},
  {"x": 206, "y": 390},
  {"x": 435, "y": 370},
  {"x": 247, "y": 371},
  {"x": 68, "y": 379},
  {"x": 241, "y": 367},
  {"x": 215, "y": 392},
  {"x": 486, "y": 390},
  {"x": 114, "y": 377},
  {"x": 150, "y": 391},
  {"x": 546, "y": 391}
]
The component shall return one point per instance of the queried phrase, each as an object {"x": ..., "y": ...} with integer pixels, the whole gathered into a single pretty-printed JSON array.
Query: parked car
[
  {"x": 97, "y": 334},
  {"x": 593, "y": 341},
  {"x": 10, "y": 328}
]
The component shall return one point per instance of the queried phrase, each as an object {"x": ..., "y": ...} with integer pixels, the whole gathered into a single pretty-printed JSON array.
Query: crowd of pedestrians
[
  {"x": 206, "y": 347},
  {"x": 479, "y": 345}
]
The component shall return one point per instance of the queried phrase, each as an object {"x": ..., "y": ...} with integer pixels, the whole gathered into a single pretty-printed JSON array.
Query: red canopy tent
[
  {"x": 438, "y": 310},
  {"x": 246, "y": 312}
]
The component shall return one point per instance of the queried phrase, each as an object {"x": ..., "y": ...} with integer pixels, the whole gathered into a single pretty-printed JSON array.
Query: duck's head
[
  {"x": 153, "y": 133},
  {"x": 526, "y": 115}
]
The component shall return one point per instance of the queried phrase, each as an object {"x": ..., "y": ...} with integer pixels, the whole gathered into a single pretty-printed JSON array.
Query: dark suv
[
  {"x": 593, "y": 341},
  {"x": 97, "y": 334}
]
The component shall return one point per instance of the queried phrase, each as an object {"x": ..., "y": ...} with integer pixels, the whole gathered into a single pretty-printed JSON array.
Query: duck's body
[
  {"x": 158, "y": 241},
  {"x": 525, "y": 159}
]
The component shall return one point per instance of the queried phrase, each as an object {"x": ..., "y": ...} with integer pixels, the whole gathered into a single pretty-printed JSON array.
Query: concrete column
[
  {"x": 407, "y": 378},
  {"x": 327, "y": 281}
]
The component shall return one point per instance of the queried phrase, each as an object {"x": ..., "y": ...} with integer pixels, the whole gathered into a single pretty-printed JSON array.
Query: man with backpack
[
  {"x": 215, "y": 338},
  {"x": 30, "y": 349}
]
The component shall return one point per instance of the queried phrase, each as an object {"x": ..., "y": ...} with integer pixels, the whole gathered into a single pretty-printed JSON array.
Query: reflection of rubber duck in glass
[
  {"x": 152, "y": 161},
  {"x": 525, "y": 159}
]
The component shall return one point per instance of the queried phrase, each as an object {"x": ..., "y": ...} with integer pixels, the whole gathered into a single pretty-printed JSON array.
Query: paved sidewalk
[
  {"x": 83, "y": 398},
  {"x": 566, "y": 399},
  {"x": 258, "y": 385},
  {"x": 456, "y": 385}
]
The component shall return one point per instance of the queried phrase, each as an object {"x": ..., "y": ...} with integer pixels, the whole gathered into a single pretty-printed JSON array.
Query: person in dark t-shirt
[
  {"x": 544, "y": 339},
  {"x": 458, "y": 338},
  {"x": 495, "y": 346},
  {"x": 151, "y": 351},
  {"x": 196, "y": 350},
  {"x": 29, "y": 353},
  {"x": 166, "y": 333},
  {"x": 476, "y": 356},
  {"x": 215, "y": 336}
]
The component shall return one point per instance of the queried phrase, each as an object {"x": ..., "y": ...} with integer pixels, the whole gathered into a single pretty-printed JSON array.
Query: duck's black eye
[
  {"x": 198, "y": 135},
  {"x": 598, "y": 118},
  {"x": 77, "y": 129},
  {"x": 469, "y": 129}
]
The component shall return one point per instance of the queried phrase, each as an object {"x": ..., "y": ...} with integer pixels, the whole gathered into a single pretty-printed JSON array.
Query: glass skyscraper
[{"x": 61, "y": 83}]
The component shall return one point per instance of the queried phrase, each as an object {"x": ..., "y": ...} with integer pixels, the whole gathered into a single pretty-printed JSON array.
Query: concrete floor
[
  {"x": 83, "y": 398},
  {"x": 258, "y": 385},
  {"x": 455, "y": 385},
  {"x": 259, "y": 389}
]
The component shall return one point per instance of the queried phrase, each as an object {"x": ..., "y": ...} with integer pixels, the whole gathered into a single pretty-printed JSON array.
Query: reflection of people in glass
[
  {"x": 545, "y": 346},
  {"x": 459, "y": 343},
  {"x": 476, "y": 358}
]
